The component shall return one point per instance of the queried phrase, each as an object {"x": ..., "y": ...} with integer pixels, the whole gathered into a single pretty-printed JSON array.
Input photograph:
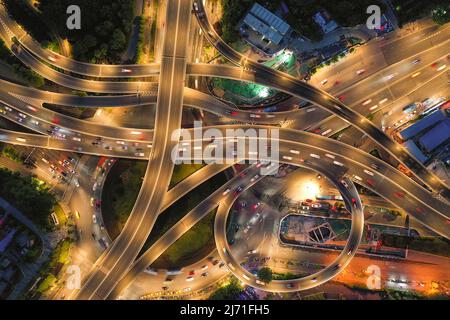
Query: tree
[
  {"x": 229, "y": 292},
  {"x": 118, "y": 40},
  {"x": 265, "y": 274},
  {"x": 441, "y": 15}
]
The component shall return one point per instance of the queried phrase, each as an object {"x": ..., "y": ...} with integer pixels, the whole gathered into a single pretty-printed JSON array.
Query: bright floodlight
[{"x": 264, "y": 92}]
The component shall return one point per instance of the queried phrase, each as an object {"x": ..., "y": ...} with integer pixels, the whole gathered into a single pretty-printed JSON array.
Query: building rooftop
[
  {"x": 262, "y": 28},
  {"x": 422, "y": 124},
  {"x": 323, "y": 20},
  {"x": 264, "y": 22},
  {"x": 269, "y": 18},
  {"x": 411, "y": 146},
  {"x": 436, "y": 136}
]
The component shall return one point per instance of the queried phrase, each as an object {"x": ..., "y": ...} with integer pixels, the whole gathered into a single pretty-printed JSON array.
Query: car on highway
[
  {"x": 168, "y": 280},
  {"x": 94, "y": 218},
  {"x": 399, "y": 195},
  {"x": 231, "y": 112},
  {"x": 360, "y": 71},
  {"x": 151, "y": 271},
  {"x": 324, "y": 81},
  {"x": 190, "y": 278},
  {"x": 77, "y": 214},
  {"x": 335, "y": 267},
  {"x": 291, "y": 285},
  {"x": 238, "y": 190},
  {"x": 227, "y": 191},
  {"x": 204, "y": 274},
  {"x": 390, "y": 76},
  {"x": 416, "y": 61}
]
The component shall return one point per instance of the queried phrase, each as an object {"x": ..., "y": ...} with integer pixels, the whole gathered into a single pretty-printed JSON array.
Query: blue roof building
[
  {"x": 436, "y": 136},
  {"x": 423, "y": 124},
  {"x": 415, "y": 151},
  {"x": 264, "y": 22},
  {"x": 269, "y": 18}
]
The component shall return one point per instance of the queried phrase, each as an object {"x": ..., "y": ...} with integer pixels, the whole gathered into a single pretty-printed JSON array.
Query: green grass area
[
  {"x": 60, "y": 214},
  {"x": 119, "y": 194},
  {"x": 288, "y": 276},
  {"x": 59, "y": 257},
  {"x": 179, "y": 209},
  {"x": 236, "y": 91},
  {"x": 181, "y": 172},
  {"x": 122, "y": 187},
  {"x": 190, "y": 247},
  {"x": 46, "y": 284},
  {"x": 12, "y": 154}
]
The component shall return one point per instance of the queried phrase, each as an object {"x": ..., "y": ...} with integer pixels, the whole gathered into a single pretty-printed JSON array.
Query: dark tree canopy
[{"x": 105, "y": 27}]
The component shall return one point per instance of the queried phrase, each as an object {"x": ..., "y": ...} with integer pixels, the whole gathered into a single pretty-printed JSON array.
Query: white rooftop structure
[
  {"x": 266, "y": 23},
  {"x": 269, "y": 18}
]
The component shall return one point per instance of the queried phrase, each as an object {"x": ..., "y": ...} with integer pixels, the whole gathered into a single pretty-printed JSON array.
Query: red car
[
  {"x": 399, "y": 194},
  {"x": 370, "y": 182},
  {"x": 341, "y": 97}
]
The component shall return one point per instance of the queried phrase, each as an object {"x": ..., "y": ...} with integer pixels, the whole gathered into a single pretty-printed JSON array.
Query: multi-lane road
[
  {"x": 122, "y": 253},
  {"x": 116, "y": 267}
]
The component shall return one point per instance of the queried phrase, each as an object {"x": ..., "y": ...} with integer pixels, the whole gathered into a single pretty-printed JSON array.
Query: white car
[
  {"x": 190, "y": 278},
  {"x": 360, "y": 71},
  {"x": 324, "y": 81},
  {"x": 344, "y": 183},
  {"x": 126, "y": 70},
  {"x": 94, "y": 218}
]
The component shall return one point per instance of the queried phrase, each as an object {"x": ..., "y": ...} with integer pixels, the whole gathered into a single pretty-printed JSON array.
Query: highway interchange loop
[{"x": 109, "y": 276}]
